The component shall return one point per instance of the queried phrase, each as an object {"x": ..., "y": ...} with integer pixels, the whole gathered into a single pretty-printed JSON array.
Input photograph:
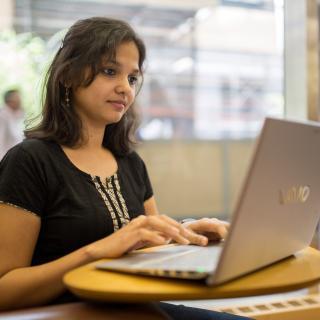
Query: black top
[{"x": 75, "y": 208}]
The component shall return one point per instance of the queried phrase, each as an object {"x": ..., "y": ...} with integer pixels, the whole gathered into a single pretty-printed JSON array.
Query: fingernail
[
  {"x": 204, "y": 241},
  {"x": 186, "y": 241}
]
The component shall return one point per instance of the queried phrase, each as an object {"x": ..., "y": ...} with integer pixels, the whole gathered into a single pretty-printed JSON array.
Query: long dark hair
[{"x": 84, "y": 46}]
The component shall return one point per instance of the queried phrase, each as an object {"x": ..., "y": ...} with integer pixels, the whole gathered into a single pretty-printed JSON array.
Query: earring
[{"x": 67, "y": 99}]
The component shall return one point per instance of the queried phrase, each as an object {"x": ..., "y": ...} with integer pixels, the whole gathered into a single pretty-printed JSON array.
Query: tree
[{"x": 23, "y": 62}]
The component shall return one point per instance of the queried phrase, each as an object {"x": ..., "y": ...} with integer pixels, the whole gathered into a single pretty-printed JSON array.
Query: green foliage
[{"x": 23, "y": 57}]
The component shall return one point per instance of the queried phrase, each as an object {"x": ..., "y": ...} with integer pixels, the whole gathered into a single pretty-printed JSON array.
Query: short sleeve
[
  {"x": 140, "y": 174},
  {"x": 22, "y": 183},
  {"x": 147, "y": 182}
]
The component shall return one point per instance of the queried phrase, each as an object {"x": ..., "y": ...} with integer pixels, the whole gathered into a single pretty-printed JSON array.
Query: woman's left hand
[{"x": 212, "y": 228}]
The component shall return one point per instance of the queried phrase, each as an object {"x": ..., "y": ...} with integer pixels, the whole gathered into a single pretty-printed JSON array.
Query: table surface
[{"x": 299, "y": 271}]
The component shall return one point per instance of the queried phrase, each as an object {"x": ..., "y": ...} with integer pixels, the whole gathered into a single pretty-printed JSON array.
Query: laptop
[{"x": 275, "y": 216}]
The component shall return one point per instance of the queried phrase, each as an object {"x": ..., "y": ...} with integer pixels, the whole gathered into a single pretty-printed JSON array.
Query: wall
[{"x": 196, "y": 178}]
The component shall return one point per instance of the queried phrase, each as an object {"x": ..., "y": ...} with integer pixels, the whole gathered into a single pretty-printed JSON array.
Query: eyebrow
[{"x": 137, "y": 71}]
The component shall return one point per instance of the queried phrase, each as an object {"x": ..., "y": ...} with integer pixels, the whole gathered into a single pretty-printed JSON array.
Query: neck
[{"x": 93, "y": 137}]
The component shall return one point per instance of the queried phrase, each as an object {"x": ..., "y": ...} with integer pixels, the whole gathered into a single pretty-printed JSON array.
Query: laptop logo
[{"x": 295, "y": 194}]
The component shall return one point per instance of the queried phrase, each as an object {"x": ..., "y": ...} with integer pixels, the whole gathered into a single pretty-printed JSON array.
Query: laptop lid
[{"x": 279, "y": 205}]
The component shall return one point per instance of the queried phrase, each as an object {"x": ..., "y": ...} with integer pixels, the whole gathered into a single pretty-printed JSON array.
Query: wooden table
[
  {"x": 299, "y": 271},
  {"x": 88, "y": 311}
]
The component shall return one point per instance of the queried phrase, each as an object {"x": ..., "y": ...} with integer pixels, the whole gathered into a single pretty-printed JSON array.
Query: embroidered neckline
[{"x": 110, "y": 192}]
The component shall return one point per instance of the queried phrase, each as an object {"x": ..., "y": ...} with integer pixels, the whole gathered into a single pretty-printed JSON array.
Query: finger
[
  {"x": 169, "y": 227},
  {"x": 195, "y": 238},
  {"x": 226, "y": 224},
  {"x": 170, "y": 221},
  {"x": 191, "y": 236},
  {"x": 149, "y": 236},
  {"x": 223, "y": 231},
  {"x": 176, "y": 224},
  {"x": 168, "y": 239},
  {"x": 209, "y": 226},
  {"x": 155, "y": 222}
]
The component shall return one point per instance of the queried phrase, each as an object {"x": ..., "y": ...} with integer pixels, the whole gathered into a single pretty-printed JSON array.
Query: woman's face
[{"x": 112, "y": 91}]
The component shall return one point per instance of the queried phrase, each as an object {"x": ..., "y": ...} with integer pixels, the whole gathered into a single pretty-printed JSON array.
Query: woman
[{"x": 74, "y": 191}]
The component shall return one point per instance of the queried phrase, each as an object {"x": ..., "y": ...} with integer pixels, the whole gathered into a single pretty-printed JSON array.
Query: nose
[{"x": 123, "y": 86}]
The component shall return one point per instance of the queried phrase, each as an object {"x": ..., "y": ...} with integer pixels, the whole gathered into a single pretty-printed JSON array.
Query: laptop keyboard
[{"x": 183, "y": 258}]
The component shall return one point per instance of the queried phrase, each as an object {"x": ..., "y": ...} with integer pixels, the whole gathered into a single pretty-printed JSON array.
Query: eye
[
  {"x": 109, "y": 71},
  {"x": 133, "y": 80}
]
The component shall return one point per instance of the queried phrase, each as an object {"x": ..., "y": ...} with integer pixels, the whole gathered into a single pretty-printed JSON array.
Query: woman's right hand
[{"x": 143, "y": 230}]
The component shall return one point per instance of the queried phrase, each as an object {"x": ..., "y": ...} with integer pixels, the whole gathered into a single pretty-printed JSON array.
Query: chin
[{"x": 113, "y": 120}]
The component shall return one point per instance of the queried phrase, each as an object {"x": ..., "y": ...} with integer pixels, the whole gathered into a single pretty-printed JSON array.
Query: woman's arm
[
  {"x": 22, "y": 285},
  {"x": 150, "y": 207}
]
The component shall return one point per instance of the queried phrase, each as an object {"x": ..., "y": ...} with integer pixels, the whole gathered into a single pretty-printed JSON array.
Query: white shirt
[{"x": 11, "y": 128}]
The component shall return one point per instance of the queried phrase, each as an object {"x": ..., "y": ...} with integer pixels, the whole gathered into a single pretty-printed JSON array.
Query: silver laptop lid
[{"x": 278, "y": 208}]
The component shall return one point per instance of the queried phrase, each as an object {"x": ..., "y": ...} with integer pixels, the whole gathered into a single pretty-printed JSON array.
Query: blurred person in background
[{"x": 11, "y": 121}]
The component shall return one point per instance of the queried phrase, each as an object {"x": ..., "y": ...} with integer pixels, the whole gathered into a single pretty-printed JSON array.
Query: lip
[{"x": 118, "y": 104}]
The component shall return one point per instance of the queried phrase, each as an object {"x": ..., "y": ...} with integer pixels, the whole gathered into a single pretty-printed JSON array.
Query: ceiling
[{"x": 154, "y": 19}]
